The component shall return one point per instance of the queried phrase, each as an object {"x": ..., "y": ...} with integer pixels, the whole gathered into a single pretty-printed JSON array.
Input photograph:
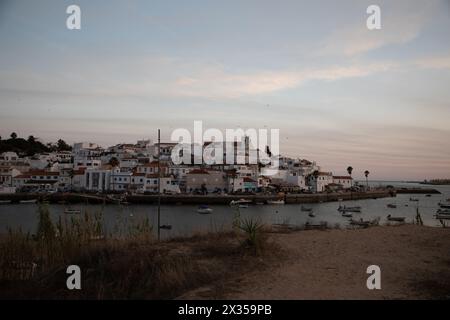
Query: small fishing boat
[
  {"x": 239, "y": 202},
  {"x": 443, "y": 211},
  {"x": 444, "y": 205},
  {"x": 392, "y": 206},
  {"x": 443, "y": 216},
  {"x": 275, "y": 201},
  {"x": 72, "y": 211},
  {"x": 360, "y": 223},
  {"x": 398, "y": 219},
  {"x": 413, "y": 199},
  {"x": 166, "y": 227},
  {"x": 311, "y": 214},
  {"x": 204, "y": 210},
  {"x": 5, "y": 201},
  {"x": 347, "y": 214},
  {"x": 306, "y": 209},
  {"x": 349, "y": 209},
  {"x": 28, "y": 201}
]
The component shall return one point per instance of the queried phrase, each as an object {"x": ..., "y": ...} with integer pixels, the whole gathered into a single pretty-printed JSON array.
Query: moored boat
[
  {"x": 5, "y": 201},
  {"x": 443, "y": 216},
  {"x": 413, "y": 199},
  {"x": 349, "y": 209},
  {"x": 347, "y": 214},
  {"x": 204, "y": 209},
  {"x": 72, "y": 211},
  {"x": 443, "y": 211},
  {"x": 239, "y": 202},
  {"x": 444, "y": 205},
  {"x": 360, "y": 223},
  {"x": 275, "y": 201},
  {"x": 397, "y": 219},
  {"x": 311, "y": 214},
  {"x": 392, "y": 206},
  {"x": 28, "y": 201},
  {"x": 306, "y": 209}
]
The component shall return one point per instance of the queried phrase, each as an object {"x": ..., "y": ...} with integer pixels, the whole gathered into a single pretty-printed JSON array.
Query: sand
[{"x": 332, "y": 264}]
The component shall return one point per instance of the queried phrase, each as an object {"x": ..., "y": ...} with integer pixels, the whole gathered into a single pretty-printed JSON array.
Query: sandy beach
[{"x": 331, "y": 264}]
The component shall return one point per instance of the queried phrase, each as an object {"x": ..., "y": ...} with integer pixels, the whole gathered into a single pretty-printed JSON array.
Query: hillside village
[{"x": 134, "y": 169}]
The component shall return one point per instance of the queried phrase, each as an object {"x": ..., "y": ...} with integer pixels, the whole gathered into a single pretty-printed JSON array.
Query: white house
[
  {"x": 98, "y": 179},
  {"x": 345, "y": 181},
  {"x": 167, "y": 184},
  {"x": 7, "y": 173},
  {"x": 319, "y": 180}
]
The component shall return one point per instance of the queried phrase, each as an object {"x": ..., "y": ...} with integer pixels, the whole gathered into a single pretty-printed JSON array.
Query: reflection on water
[{"x": 185, "y": 220}]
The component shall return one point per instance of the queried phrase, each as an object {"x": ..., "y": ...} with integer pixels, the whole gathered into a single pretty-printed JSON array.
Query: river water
[{"x": 185, "y": 220}]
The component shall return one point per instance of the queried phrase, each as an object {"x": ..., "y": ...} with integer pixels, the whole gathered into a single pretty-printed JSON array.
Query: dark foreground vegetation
[{"x": 129, "y": 265}]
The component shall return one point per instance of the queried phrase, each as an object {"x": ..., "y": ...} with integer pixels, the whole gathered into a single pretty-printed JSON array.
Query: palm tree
[
  {"x": 366, "y": 173},
  {"x": 350, "y": 170}
]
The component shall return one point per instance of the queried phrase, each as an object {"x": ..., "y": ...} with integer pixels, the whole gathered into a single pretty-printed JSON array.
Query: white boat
[
  {"x": 5, "y": 201},
  {"x": 398, "y": 219},
  {"x": 239, "y": 202},
  {"x": 347, "y": 214},
  {"x": 72, "y": 211},
  {"x": 306, "y": 209},
  {"x": 444, "y": 205},
  {"x": 275, "y": 201},
  {"x": 28, "y": 201},
  {"x": 349, "y": 209},
  {"x": 312, "y": 214},
  {"x": 204, "y": 210},
  {"x": 443, "y": 216}
]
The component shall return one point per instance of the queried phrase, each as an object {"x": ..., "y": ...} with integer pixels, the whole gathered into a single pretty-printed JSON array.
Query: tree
[
  {"x": 350, "y": 170},
  {"x": 13, "y": 136},
  {"x": 366, "y": 173},
  {"x": 31, "y": 139},
  {"x": 63, "y": 146}
]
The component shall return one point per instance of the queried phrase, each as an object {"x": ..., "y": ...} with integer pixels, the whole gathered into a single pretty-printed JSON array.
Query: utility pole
[{"x": 159, "y": 186}]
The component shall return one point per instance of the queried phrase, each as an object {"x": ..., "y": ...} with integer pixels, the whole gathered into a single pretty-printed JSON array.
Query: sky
[{"x": 341, "y": 94}]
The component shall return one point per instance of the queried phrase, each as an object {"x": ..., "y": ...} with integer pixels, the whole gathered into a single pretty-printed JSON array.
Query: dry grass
[{"x": 134, "y": 266}]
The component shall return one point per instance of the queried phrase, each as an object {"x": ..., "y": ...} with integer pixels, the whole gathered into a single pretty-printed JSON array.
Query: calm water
[{"x": 185, "y": 220}]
